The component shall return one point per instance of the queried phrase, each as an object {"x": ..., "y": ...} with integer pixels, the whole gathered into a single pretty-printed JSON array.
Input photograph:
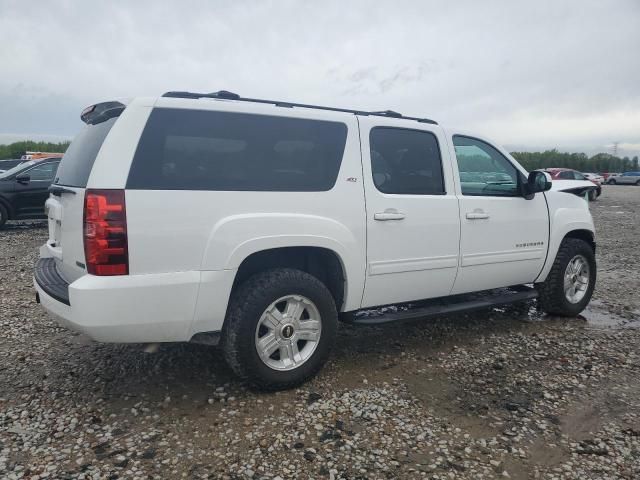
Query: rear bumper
[
  {"x": 47, "y": 277},
  {"x": 127, "y": 308}
]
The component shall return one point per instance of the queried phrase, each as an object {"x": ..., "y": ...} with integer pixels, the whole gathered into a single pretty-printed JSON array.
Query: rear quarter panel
[{"x": 214, "y": 231}]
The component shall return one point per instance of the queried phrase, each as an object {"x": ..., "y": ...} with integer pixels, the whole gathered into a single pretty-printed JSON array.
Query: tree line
[
  {"x": 601, "y": 162},
  {"x": 17, "y": 149}
]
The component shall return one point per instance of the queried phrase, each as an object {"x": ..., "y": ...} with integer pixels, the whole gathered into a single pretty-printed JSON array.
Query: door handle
[
  {"x": 477, "y": 215},
  {"x": 389, "y": 214}
]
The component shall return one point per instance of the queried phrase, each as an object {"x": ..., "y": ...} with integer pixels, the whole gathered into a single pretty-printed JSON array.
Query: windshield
[{"x": 17, "y": 168}]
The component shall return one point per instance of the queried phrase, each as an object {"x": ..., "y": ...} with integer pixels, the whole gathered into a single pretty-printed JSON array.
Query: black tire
[
  {"x": 638, "y": 183},
  {"x": 4, "y": 215},
  {"x": 248, "y": 303},
  {"x": 611, "y": 182},
  {"x": 552, "y": 297}
]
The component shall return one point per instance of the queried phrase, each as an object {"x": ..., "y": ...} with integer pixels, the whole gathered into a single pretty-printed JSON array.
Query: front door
[
  {"x": 504, "y": 236},
  {"x": 413, "y": 228}
]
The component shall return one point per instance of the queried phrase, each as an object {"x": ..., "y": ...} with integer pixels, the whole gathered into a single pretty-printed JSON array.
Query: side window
[
  {"x": 44, "y": 172},
  {"x": 406, "y": 162},
  {"x": 578, "y": 176},
  {"x": 484, "y": 171},
  {"x": 208, "y": 150},
  {"x": 566, "y": 175}
]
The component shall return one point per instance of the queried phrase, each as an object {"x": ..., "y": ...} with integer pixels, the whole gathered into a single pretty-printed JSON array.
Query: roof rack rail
[{"x": 226, "y": 95}]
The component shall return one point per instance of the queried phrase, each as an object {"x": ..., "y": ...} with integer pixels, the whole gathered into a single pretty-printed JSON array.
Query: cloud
[{"x": 544, "y": 73}]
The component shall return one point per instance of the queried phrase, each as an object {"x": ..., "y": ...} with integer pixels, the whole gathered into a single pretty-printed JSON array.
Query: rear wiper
[{"x": 58, "y": 190}]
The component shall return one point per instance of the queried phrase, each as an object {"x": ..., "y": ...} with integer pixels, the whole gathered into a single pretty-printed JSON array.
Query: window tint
[
  {"x": 406, "y": 162},
  {"x": 78, "y": 160},
  {"x": 483, "y": 169},
  {"x": 578, "y": 176},
  {"x": 203, "y": 150},
  {"x": 566, "y": 175},
  {"x": 43, "y": 172}
]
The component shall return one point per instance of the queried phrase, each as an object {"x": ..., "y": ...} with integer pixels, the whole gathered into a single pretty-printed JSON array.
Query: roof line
[{"x": 225, "y": 95}]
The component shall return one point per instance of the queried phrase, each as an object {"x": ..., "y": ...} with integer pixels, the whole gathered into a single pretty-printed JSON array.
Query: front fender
[{"x": 567, "y": 213}]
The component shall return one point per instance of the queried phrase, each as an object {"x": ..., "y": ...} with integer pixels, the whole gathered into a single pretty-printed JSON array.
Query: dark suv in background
[{"x": 24, "y": 189}]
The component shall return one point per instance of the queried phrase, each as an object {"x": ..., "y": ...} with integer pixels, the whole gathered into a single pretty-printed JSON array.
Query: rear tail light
[{"x": 105, "y": 232}]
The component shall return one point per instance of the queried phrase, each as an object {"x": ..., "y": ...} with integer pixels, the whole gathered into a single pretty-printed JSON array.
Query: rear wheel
[
  {"x": 611, "y": 182},
  {"x": 280, "y": 327},
  {"x": 638, "y": 183},
  {"x": 4, "y": 215},
  {"x": 570, "y": 283}
]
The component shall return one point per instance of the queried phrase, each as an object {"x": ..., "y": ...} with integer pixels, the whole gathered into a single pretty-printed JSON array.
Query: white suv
[{"x": 258, "y": 224}]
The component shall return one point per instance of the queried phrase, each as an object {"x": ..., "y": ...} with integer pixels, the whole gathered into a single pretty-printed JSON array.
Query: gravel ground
[{"x": 507, "y": 393}]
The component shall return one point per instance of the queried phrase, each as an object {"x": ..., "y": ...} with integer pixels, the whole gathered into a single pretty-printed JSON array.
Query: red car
[{"x": 569, "y": 174}]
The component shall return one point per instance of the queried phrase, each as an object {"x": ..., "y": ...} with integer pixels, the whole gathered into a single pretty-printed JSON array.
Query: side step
[{"x": 439, "y": 306}]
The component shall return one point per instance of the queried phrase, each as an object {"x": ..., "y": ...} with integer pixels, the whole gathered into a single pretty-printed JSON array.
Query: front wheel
[
  {"x": 570, "y": 283},
  {"x": 611, "y": 182},
  {"x": 280, "y": 327}
]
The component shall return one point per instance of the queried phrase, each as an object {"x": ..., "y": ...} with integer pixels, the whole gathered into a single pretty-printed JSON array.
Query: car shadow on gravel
[
  {"x": 182, "y": 368},
  {"x": 375, "y": 354}
]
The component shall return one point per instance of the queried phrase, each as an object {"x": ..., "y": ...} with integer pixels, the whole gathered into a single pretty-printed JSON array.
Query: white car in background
[{"x": 595, "y": 177}]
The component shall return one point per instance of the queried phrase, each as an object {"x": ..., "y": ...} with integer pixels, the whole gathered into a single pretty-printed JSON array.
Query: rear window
[
  {"x": 203, "y": 150},
  {"x": 78, "y": 160}
]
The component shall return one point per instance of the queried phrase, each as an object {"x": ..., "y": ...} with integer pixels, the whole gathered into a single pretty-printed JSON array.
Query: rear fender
[{"x": 279, "y": 230}]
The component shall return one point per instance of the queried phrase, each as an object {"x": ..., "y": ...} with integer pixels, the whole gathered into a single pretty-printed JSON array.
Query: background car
[
  {"x": 24, "y": 189},
  {"x": 595, "y": 177},
  {"x": 627, "y": 178},
  {"x": 609, "y": 175},
  {"x": 570, "y": 174}
]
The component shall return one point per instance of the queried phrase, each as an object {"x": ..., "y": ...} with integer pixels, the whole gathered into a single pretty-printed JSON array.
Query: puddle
[{"x": 597, "y": 315}]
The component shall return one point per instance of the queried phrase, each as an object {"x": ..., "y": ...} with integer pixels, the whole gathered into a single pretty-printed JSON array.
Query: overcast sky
[{"x": 530, "y": 74}]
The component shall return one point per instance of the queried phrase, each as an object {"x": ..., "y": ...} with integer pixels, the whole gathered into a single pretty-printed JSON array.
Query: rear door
[
  {"x": 413, "y": 227},
  {"x": 65, "y": 208}
]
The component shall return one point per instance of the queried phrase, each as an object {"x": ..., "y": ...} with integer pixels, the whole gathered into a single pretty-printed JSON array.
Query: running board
[{"x": 439, "y": 306}]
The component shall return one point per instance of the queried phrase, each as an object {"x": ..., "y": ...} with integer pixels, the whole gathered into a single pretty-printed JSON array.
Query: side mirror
[
  {"x": 536, "y": 182},
  {"x": 23, "y": 178}
]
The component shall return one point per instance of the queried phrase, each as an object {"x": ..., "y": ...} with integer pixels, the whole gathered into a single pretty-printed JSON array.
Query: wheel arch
[
  {"x": 583, "y": 233},
  {"x": 323, "y": 263}
]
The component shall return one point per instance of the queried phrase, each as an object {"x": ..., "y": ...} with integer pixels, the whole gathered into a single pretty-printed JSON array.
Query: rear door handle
[
  {"x": 389, "y": 214},
  {"x": 477, "y": 215}
]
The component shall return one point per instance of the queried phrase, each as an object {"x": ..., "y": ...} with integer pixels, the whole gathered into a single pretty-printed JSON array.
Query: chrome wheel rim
[
  {"x": 288, "y": 332},
  {"x": 576, "y": 279}
]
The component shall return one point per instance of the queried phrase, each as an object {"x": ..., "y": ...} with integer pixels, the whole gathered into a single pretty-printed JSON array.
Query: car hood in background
[{"x": 577, "y": 187}]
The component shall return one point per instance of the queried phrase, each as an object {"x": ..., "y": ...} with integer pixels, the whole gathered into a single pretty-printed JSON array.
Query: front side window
[
  {"x": 45, "y": 172},
  {"x": 406, "y": 162},
  {"x": 484, "y": 171},
  {"x": 207, "y": 150},
  {"x": 578, "y": 176},
  {"x": 566, "y": 175}
]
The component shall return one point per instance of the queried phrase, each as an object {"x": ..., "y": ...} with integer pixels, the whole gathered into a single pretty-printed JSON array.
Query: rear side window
[
  {"x": 78, "y": 160},
  {"x": 406, "y": 162},
  {"x": 203, "y": 150}
]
